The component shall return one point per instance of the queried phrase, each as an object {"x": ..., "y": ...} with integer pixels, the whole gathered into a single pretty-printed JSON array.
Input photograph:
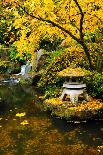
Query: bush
[
  {"x": 52, "y": 91},
  {"x": 57, "y": 61},
  {"x": 95, "y": 84},
  {"x": 3, "y": 66},
  {"x": 12, "y": 52},
  {"x": 13, "y": 55},
  {"x": 9, "y": 67}
]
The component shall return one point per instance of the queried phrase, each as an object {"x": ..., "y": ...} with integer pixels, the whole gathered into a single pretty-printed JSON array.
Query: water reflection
[{"x": 43, "y": 134}]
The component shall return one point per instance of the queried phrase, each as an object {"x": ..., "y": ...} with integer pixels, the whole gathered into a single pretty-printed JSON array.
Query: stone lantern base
[{"x": 74, "y": 90}]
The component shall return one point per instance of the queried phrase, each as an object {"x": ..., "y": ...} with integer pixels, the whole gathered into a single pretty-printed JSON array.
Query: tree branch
[
  {"x": 74, "y": 25},
  {"x": 80, "y": 41},
  {"x": 61, "y": 28},
  {"x": 81, "y": 19},
  {"x": 52, "y": 23}
]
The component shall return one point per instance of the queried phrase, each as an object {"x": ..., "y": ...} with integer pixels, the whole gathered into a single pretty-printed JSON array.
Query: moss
[{"x": 67, "y": 110}]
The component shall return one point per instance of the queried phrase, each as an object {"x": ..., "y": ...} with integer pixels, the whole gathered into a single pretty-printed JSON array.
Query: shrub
[
  {"x": 12, "y": 52},
  {"x": 95, "y": 84},
  {"x": 57, "y": 61},
  {"x": 13, "y": 55},
  {"x": 52, "y": 91},
  {"x": 3, "y": 66}
]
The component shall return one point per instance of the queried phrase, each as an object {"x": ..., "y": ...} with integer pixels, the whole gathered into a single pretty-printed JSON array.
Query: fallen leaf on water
[
  {"x": 14, "y": 119},
  {"x": 25, "y": 122},
  {"x": 21, "y": 114}
]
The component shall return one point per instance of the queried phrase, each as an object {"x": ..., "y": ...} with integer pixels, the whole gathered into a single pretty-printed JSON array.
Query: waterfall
[
  {"x": 25, "y": 69},
  {"x": 24, "y": 72}
]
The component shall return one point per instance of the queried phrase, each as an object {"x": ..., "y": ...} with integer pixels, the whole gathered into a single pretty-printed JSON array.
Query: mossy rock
[{"x": 67, "y": 110}]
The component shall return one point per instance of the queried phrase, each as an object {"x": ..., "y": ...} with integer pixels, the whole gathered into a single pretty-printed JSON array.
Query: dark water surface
[{"x": 38, "y": 133}]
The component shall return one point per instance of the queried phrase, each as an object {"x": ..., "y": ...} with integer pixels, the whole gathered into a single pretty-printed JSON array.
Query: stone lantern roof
[{"x": 73, "y": 72}]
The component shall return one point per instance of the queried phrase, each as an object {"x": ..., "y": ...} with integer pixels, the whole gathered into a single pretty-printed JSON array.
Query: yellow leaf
[
  {"x": 25, "y": 122},
  {"x": 20, "y": 114}
]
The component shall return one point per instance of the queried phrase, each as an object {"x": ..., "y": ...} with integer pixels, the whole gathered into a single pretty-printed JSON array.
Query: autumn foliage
[{"x": 65, "y": 19}]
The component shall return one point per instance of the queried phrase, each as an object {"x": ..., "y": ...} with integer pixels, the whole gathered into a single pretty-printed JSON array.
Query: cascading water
[
  {"x": 24, "y": 72},
  {"x": 25, "y": 69}
]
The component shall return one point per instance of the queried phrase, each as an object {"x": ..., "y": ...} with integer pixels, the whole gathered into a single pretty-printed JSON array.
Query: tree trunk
[{"x": 86, "y": 50}]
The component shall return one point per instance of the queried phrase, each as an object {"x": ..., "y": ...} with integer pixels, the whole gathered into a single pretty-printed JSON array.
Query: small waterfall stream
[
  {"x": 25, "y": 69},
  {"x": 24, "y": 72}
]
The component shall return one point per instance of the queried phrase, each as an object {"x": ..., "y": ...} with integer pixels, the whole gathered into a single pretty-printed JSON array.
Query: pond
[{"x": 27, "y": 130}]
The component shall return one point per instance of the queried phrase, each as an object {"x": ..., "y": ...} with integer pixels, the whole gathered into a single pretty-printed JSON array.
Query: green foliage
[
  {"x": 52, "y": 91},
  {"x": 12, "y": 52},
  {"x": 50, "y": 45},
  {"x": 3, "y": 66},
  {"x": 24, "y": 81},
  {"x": 57, "y": 61},
  {"x": 94, "y": 41},
  {"x": 95, "y": 84},
  {"x": 9, "y": 67}
]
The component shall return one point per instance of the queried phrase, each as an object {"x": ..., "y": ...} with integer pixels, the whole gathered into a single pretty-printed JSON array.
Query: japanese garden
[{"x": 51, "y": 77}]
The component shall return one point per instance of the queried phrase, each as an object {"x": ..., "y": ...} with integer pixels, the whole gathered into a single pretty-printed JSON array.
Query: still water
[{"x": 26, "y": 130}]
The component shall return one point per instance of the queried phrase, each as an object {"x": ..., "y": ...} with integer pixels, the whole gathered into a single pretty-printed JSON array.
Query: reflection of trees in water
[
  {"x": 39, "y": 137},
  {"x": 88, "y": 132},
  {"x": 43, "y": 135}
]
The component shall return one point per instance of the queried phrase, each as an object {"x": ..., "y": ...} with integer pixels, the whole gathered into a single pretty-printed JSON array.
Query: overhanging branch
[
  {"x": 52, "y": 23},
  {"x": 80, "y": 41}
]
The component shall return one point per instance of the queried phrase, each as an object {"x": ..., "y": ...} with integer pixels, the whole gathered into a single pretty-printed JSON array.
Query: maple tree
[{"x": 66, "y": 19}]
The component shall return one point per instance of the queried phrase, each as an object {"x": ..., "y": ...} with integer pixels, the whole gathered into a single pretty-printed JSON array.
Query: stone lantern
[{"x": 73, "y": 85}]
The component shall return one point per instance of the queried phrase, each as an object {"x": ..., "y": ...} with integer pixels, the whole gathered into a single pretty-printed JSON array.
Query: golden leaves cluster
[
  {"x": 54, "y": 101},
  {"x": 91, "y": 105},
  {"x": 64, "y": 12}
]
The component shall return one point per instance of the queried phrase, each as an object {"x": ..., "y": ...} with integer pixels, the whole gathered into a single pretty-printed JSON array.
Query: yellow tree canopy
[{"x": 66, "y": 19}]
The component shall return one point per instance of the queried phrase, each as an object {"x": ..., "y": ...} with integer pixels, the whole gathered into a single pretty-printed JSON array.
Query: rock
[
  {"x": 36, "y": 79},
  {"x": 41, "y": 62}
]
